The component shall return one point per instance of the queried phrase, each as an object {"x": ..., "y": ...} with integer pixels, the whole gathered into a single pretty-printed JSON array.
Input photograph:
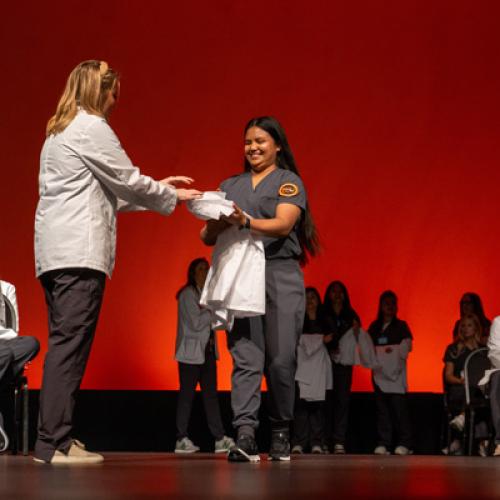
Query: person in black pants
[
  {"x": 392, "y": 339},
  {"x": 340, "y": 317},
  {"x": 196, "y": 352}
]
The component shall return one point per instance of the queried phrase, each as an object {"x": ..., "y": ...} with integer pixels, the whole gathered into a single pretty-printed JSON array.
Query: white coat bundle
[
  {"x": 211, "y": 205},
  {"x": 236, "y": 283},
  {"x": 314, "y": 368}
]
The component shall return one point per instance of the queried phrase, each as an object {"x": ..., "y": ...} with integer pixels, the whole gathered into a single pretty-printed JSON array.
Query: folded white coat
[
  {"x": 314, "y": 368},
  {"x": 236, "y": 282},
  {"x": 211, "y": 205},
  {"x": 353, "y": 352}
]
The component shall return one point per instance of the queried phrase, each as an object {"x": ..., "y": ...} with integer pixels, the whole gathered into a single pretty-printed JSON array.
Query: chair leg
[
  {"x": 15, "y": 434},
  {"x": 25, "y": 420},
  {"x": 471, "y": 432}
]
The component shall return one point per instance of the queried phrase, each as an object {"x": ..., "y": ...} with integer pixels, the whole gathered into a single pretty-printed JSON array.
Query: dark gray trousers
[
  {"x": 14, "y": 354},
  {"x": 392, "y": 414},
  {"x": 267, "y": 345},
  {"x": 338, "y": 402},
  {"x": 308, "y": 425},
  {"x": 206, "y": 375},
  {"x": 73, "y": 298},
  {"x": 495, "y": 403}
]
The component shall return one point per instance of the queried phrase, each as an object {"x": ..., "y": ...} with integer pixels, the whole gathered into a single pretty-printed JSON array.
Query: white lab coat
[
  {"x": 493, "y": 351},
  {"x": 389, "y": 374},
  {"x": 211, "y": 205},
  {"x": 236, "y": 283},
  {"x": 85, "y": 177},
  {"x": 9, "y": 292},
  {"x": 193, "y": 329},
  {"x": 314, "y": 368},
  {"x": 352, "y": 352}
]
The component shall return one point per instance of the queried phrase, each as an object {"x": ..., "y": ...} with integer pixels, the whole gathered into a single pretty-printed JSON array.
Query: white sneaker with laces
[
  {"x": 381, "y": 450},
  {"x": 317, "y": 450},
  {"x": 297, "y": 450},
  {"x": 402, "y": 451},
  {"x": 224, "y": 445},
  {"x": 185, "y": 445}
]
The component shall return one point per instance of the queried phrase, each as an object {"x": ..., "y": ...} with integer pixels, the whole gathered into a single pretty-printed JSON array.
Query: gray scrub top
[{"x": 280, "y": 186}]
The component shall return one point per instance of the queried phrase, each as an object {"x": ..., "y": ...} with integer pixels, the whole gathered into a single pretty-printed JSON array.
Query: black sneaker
[
  {"x": 280, "y": 446},
  {"x": 245, "y": 450}
]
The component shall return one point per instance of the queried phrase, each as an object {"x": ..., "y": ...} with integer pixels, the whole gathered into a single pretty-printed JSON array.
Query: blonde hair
[
  {"x": 477, "y": 335},
  {"x": 87, "y": 88}
]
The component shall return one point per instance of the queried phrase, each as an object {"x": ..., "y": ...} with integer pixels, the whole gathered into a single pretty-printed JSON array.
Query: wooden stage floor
[{"x": 203, "y": 476}]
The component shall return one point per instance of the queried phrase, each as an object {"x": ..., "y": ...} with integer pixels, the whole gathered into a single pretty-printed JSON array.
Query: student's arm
[
  {"x": 190, "y": 312},
  {"x": 287, "y": 215},
  {"x": 449, "y": 377}
]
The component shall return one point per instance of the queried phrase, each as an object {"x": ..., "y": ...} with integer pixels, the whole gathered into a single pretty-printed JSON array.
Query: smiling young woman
[{"x": 271, "y": 192}]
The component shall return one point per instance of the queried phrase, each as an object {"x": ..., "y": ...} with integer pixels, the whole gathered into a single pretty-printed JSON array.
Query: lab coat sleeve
[
  {"x": 196, "y": 318},
  {"x": 9, "y": 290},
  {"x": 405, "y": 348},
  {"x": 494, "y": 343},
  {"x": 367, "y": 354},
  {"x": 125, "y": 206},
  {"x": 103, "y": 154}
]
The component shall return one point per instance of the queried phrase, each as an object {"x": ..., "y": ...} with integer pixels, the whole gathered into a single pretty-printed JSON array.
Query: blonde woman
[
  {"x": 85, "y": 177},
  {"x": 467, "y": 341}
]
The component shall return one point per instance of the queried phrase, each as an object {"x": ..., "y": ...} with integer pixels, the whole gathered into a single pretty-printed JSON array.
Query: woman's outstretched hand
[
  {"x": 175, "y": 180},
  {"x": 237, "y": 218},
  {"x": 188, "y": 194}
]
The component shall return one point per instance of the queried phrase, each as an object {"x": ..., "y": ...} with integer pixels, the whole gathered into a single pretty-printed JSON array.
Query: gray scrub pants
[{"x": 267, "y": 345}]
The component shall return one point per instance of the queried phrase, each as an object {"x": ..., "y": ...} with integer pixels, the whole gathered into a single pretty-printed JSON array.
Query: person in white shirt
[
  {"x": 85, "y": 177},
  {"x": 196, "y": 352},
  {"x": 15, "y": 351}
]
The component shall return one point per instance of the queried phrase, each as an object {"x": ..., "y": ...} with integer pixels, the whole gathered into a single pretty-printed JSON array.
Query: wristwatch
[{"x": 247, "y": 223}]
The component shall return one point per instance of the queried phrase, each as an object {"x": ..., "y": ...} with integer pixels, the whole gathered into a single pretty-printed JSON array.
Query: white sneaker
[
  {"x": 185, "y": 445},
  {"x": 223, "y": 445},
  {"x": 483, "y": 447},
  {"x": 77, "y": 455},
  {"x": 381, "y": 450},
  {"x": 402, "y": 451},
  {"x": 456, "y": 448},
  {"x": 339, "y": 449},
  {"x": 297, "y": 450},
  {"x": 458, "y": 423},
  {"x": 317, "y": 450}
]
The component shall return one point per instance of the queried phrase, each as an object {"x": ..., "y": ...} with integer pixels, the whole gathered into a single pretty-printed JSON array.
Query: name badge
[{"x": 383, "y": 341}]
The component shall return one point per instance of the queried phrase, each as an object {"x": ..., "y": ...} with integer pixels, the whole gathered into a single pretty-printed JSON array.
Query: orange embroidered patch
[{"x": 289, "y": 189}]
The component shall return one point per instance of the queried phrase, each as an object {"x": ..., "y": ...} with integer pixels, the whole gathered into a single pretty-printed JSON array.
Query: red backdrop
[{"x": 392, "y": 109}]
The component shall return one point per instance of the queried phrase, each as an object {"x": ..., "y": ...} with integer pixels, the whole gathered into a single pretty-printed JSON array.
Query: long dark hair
[
  {"x": 347, "y": 308},
  {"x": 307, "y": 233},
  {"x": 477, "y": 304},
  {"x": 191, "y": 275},
  {"x": 388, "y": 294},
  {"x": 319, "y": 309}
]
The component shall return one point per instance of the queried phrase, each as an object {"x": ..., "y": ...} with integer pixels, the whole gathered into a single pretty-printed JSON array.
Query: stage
[{"x": 204, "y": 475}]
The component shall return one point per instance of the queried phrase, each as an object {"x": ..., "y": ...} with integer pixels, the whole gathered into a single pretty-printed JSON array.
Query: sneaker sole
[
  {"x": 279, "y": 459},
  {"x": 222, "y": 451},
  {"x": 185, "y": 452},
  {"x": 246, "y": 456}
]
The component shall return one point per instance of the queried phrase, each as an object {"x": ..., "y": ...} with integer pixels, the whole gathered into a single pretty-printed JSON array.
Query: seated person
[
  {"x": 468, "y": 340},
  {"x": 494, "y": 379},
  {"x": 470, "y": 303},
  {"x": 15, "y": 351}
]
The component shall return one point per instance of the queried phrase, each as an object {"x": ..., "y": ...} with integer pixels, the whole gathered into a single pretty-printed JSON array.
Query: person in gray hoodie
[{"x": 196, "y": 352}]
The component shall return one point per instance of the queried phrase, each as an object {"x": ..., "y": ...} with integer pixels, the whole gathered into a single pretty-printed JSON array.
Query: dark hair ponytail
[
  {"x": 191, "y": 281},
  {"x": 307, "y": 233}
]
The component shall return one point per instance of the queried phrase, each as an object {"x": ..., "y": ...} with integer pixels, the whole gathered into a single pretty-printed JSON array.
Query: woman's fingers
[
  {"x": 188, "y": 194},
  {"x": 177, "y": 179}
]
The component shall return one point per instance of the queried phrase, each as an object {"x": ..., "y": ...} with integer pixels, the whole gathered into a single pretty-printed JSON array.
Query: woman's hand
[
  {"x": 328, "y": 338},
  {"x": 211, "y": 231},
  {"x": 188, "y": 194},
  {"x": 237, "y": 218},
  {"x": 175, "y": 180}
]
